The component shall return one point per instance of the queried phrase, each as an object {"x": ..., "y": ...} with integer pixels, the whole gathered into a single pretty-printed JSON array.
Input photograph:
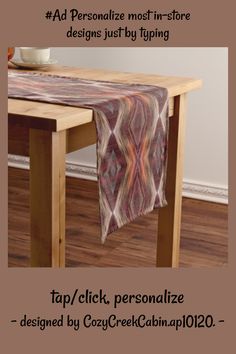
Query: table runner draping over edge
[{"x": 132, "y": 137}]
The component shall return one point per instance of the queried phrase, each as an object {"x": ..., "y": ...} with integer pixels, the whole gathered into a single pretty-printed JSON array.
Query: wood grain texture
[
  {"x": 77, "y": 137},
  {"x": 58, "y": 117},
  {"x": 49, "y": 116},
  {"x": 80, "y": 137},
  {"x": 174, "y": 84},
  {"x": 203, "y": 243},
  {"x": 44, "y": 121},
  {"x": 170, "y": 217},
  {"x": 47, "y": 198}
]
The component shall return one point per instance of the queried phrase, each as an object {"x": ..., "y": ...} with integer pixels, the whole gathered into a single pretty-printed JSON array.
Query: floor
[{"x": 204, "y": 239}]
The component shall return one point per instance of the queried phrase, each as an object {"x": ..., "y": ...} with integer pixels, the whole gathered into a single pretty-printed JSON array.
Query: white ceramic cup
[{"x": 35, "y": 55}]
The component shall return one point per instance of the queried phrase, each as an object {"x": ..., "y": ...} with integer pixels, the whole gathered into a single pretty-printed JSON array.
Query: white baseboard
[
  {"x": 191, "y": 189},
  {"x": 203, "y": 191}
]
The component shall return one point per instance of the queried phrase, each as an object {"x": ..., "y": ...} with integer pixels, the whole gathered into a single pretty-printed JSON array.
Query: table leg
[
  {"x": 169, "y": 218},
  {"x": 47, "y": 198}
]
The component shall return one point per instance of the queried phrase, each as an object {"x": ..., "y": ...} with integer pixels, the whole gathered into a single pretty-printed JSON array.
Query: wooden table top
[{"x": 58, "y": 117}]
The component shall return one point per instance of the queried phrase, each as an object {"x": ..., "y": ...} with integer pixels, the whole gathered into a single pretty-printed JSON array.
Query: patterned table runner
[{"x": 132, "y": 138}]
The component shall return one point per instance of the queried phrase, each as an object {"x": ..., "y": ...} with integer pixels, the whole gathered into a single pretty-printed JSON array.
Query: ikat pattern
[{"x": 132, "y": 138}]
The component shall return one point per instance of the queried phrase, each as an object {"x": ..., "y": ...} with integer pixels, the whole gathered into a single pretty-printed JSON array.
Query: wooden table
[{"x": 46, "y": 132}]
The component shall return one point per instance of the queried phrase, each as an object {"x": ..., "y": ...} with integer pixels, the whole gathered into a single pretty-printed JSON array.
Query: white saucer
[{"x": 22, "y": 64}]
